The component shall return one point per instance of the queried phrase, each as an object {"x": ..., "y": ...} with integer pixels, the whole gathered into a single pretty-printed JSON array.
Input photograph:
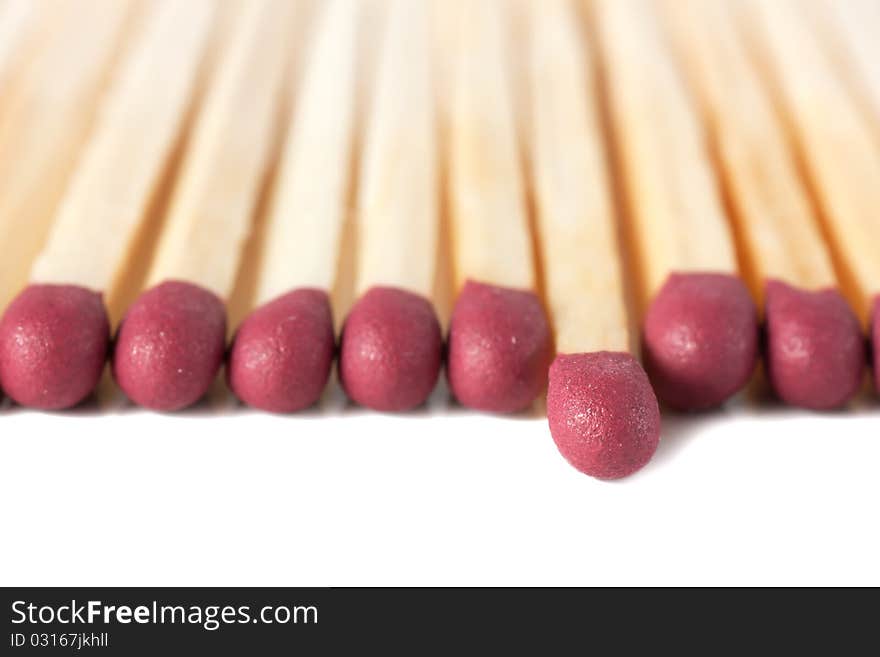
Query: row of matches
[{"x": 716, "y": 163}]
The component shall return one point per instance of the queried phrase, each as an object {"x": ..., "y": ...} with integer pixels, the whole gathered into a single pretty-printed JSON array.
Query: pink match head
[
  {"x": 815, "y": 347},
  {"x": 602, "y": 412},
  {"x": 281, "y": 355},
  {"x": 170, "y": 346},
  {"x": 700, "y": 340},
  {"x": 54, "y": 341},
  {"x": 391, "y": 350},
  {"x": 500, "y": 348}
]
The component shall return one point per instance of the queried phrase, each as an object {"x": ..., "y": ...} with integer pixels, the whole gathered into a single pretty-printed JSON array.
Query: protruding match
[
  {"x": 54, "y": 337},
  {"x": 499, "y": 344},
  {"x": 171, "y": 342},
  {"x": 391, "y": 347},
  {"x": 838, "y": 149},
  {"x": 815, "y": 352},
  {"x": 700, "y": 331},
  {"x": 282, "y": 352},
  {"x": 602, "y": 411}
]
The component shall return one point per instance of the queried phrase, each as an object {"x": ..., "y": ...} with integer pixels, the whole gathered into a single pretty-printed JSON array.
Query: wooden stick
[
  {"x": 772, "y": 213},
  {"x": 849, "y": 30},
  {"x": 49, "y": 111},
  {"x": 19, "y": 19},
  {"x": 834, "y": 141},
  {"x": 676, "y": 215},
  {"x": 576, "y": 224},
  {"x": 397, "y": 203},
  {"x": 490, "y": 233},
  {"x": 312, "y": 188},
  {"x": 211, "y": 211},
  {"x": 100, "y": 216}
]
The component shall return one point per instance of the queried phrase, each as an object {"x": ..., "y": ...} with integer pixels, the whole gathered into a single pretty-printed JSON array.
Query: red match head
[
  {"x": 500, "y": 347},
  {"x": 281, "y": 355},
  {"x": 391, "y": 350},
  {"x": 815, "y": 347},
  {"x": 700, "y": 340},
  {"x": 53, "y": 345},
  {"x": 602, "y": 412},
  {"x": 170, "y": 346}
]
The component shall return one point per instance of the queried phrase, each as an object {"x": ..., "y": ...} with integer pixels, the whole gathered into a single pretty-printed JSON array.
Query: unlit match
[
  {"x": 499, "y": 344},
  {"x": 700, "y": 329},
  {"x": 602, "y": 412},
  {"x": 282, "y": 353}
]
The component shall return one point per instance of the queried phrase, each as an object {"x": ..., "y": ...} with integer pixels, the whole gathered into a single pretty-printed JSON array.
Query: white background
[{"x": 218, "y": 495}]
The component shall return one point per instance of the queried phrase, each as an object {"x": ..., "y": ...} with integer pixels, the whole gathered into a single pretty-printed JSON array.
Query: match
[
  {"x": 54, "y": 336},
  {"x": 602, "y": 412},
  {"x": 42, "y": 134},
  {"x": 391, "y": 347},
  {"x": 499, "y": 345},
  {"x": 700, "y": 326},
  {"x": 171, "y": 341},
  {"x": 282, "y": 353},
  {"x": 840, "y": 156},
  {"x": 814, "y": 351}
]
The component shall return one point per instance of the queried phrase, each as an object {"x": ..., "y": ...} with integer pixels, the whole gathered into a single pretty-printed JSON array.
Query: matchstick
[
  {"x": 700, "y": 330},
  {"x": 49, "y": 106},
  {"x": 840, "y": 156},
  {"x": 815, "y": 351},
  {"x": 171, "y": 342},
  {"x": 602, "y": 412},
  {"x": 54, "y": 337},
  {"x": 19, "y": 23},
  {"x": 849, "y": 31},
  {"x": 499, "y": 343},
  {"x": 281, "y": 354},
  {"x": 391, "y": 344}
]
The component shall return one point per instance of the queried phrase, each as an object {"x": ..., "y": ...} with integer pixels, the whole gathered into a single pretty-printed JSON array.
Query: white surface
[{"x": 341, "y": 496}]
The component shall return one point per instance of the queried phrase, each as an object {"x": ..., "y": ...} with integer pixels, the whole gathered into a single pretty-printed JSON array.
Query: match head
[
  {"x": 281, "y": 355},
  {"x": 54, "y": 341},
  {"x": 391, "y": 350},
  {"x": 170, "y": 346},
  {"x": 700, "y": 340},
  {"x": 815, "y": 347},
  {"x": 500, "y": 348},
  {"x": 602, "y": 412}
]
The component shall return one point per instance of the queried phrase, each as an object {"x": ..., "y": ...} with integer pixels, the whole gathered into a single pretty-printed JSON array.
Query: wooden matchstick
[
  {"x": 49, "y": 107},
  {"x": 700, "y": 333},
  {"x": 282, "y": 353},
  {"x": 171, "y": 342},
  {"x": 849, "y": 32},
  {"x": 54, "y": 337},
  {"x": 814, "y": 345},
  {"x": 499, "y": 344},
  {"x": 391, "y": 344},
  {"x": 602, "y": 411},
  {"x": 840, "y": 156},
  {"x": 20, "y": 21}
]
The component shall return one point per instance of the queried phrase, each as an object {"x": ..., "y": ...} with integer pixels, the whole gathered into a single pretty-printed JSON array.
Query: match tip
[
  {"x": 281, "y": 355},
  {"x": 53, "y": 345},
  {"x": 170, "y": 346},
  {"x": 700, "y": 340},
  {"x": 602, "y": 412},
  {"x": 500, "y": 348},
  {"x": 391, "y": 350},
  {"x": 815, "y": 347}
]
